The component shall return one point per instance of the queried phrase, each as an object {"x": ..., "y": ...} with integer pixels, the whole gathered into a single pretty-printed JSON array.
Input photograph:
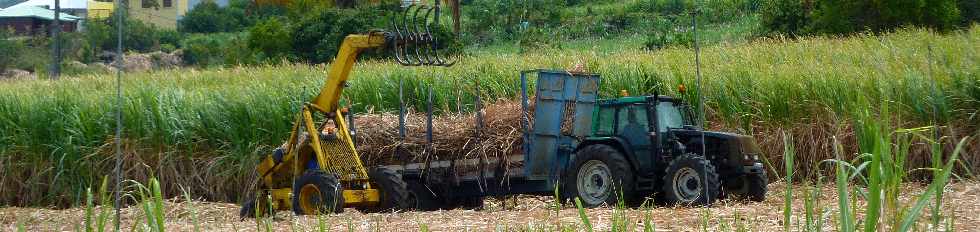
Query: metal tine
[
  {"x": 412, "y": 35},
  {"x": 434, "y": 43},
  {"x": 427, "y": 37},
  {"x": 431, "y": 47},
  {"x": 420, "y": 38},
  {"x": 397, "y": 46}
]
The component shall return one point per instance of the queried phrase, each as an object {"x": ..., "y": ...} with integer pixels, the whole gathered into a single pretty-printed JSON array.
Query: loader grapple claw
[{"x": 414, "y": 43}]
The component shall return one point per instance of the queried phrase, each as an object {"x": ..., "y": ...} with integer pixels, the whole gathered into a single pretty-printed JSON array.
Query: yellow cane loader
[{"x": 317, "y": 170}]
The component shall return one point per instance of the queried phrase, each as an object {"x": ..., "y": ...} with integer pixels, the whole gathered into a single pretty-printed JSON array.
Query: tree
[
  {"x": 271, "y": 38},
  {"x": 208, "y": 17}
]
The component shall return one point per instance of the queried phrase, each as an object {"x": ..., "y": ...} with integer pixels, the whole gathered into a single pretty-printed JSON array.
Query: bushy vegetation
[
  {"x": 9, "y": 48},
  {"x": 208, "y": 17},
  {"x": 139, "y": 37},
  {"x": 797, "y": 17},
  {"x": 267, "y": 39},
  {"x": 217, "y": 49},
  {"x": 221, "y": 121}
]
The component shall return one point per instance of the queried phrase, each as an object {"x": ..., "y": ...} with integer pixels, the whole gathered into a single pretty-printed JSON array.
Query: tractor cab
[{"x": 642, "y": 124}]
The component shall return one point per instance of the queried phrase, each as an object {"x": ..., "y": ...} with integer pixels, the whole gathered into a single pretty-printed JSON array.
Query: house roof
[
  {"x": 27, "y": 11},
  {"x": 65, "y": 4}
]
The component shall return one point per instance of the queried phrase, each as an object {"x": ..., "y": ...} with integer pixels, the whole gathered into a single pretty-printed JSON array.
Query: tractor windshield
[{"x": 671, "y": 115}]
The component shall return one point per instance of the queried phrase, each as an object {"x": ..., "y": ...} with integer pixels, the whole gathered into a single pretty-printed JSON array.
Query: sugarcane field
[{"x": 476, "y": 115}]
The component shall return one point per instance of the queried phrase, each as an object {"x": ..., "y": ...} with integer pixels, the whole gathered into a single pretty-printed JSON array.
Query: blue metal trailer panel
[{"x": 562, "y": 100}]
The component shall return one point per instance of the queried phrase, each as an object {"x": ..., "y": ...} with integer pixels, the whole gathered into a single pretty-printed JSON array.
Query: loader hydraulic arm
[{"x": 329, "y": 96}]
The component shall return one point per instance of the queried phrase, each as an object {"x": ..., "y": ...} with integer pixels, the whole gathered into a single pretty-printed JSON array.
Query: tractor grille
[{"x": 342, "y": 159}]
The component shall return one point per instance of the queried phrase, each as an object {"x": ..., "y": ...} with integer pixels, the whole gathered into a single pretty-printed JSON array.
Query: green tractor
[{"x": 649, "y": 145}]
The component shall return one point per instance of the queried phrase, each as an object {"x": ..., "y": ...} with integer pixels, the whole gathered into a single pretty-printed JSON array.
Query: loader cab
[{"x": 642, "y": 124}]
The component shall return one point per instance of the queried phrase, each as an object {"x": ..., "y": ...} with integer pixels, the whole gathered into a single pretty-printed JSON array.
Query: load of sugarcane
[{"x": 454, "y": 135}]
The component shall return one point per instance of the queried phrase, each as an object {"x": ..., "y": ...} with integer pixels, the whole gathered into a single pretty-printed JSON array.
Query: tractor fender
[{"x": 615, "y": 142}]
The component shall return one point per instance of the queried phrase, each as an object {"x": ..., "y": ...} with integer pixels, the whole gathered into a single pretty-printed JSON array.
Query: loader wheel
[
  {"x": 600, "y": 174},
  {"x": 316, "y": 192},
  {"x": 751, "y": 186},
  {"x": 691, "y": 180},
  {"x": 421, "y": 198},
  {"x": 394, "y": 191},
  {"x": 248, "y": 209}
]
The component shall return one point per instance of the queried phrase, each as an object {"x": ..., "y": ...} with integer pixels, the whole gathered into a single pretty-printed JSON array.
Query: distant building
[
  {"x": 164, "y": 13},
  {"x": 34, "y": 20},
  {"x": 84, "y": 9}
]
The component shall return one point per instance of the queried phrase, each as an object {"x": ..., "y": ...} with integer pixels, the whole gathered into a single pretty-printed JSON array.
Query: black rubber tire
[
  {"x": 421, "y": 198},
  {"x": 394, "y": 191},
  {"x": 471, "y": 203},
  {"x": 751, "y": 186},
  {"x": 330, "y": 190},
  {"x": 706, "y": 173},
  {"x": 622, "y": 175},
  {"x": 248, "y": 209}
]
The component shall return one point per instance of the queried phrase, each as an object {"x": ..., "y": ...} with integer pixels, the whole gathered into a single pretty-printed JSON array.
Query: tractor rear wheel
[
  {"x": 599, "y": 175},
  {"x": 316, "y": 192},
  {"x": 394, "y": 191},
  {"x": 691, "y": 180},
  {"x": 750, "y": 186}
]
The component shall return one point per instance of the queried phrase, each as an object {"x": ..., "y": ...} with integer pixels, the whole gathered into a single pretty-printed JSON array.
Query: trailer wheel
[
  {"x": 691, "y": 180},
  {"x": 600, "y": 174},
  {"x": 751, "y": 186},
  {"x": 471, "y": 203},
  {"x": 421, "y": 198},
  {"x": 394, "y": 191},
  {"x": 316, "y": 192}
]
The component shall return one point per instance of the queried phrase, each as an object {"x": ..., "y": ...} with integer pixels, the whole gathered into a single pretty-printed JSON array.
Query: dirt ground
[{"x": 523, "y": 213}]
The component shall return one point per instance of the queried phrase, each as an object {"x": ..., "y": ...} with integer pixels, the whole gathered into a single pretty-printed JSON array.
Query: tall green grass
[{"x": 218, "y": 122}]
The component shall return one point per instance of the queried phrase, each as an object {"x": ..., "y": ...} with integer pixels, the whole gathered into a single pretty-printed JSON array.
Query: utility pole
[
  {"x": 456, "y": 14},
  {"x": 120, "y": 12},
  {"x": 56, "y": 44}
]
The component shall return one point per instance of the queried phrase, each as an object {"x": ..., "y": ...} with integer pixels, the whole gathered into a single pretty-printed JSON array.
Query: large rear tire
[
  {"x": 599, "y": 175},
  {"x": 691, "y": 180},
  {"x": 316, "y": 192},
  {"x": 394, "y": 191},
  {"x": 421, "y": 197}
]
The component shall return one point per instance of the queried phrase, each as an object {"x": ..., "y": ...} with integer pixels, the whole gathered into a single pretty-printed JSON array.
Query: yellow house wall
[
  {"x": 99, "y": 10},
  {"x": 163, "y": 17}
]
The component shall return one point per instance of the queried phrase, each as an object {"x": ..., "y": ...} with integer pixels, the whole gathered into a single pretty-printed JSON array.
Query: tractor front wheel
[
  {"x": 600, "y": 175},
  {"x": 750, "y": 186},
  {"x": 691, "y": 180},
  {"x": 316, "y": 192}
]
